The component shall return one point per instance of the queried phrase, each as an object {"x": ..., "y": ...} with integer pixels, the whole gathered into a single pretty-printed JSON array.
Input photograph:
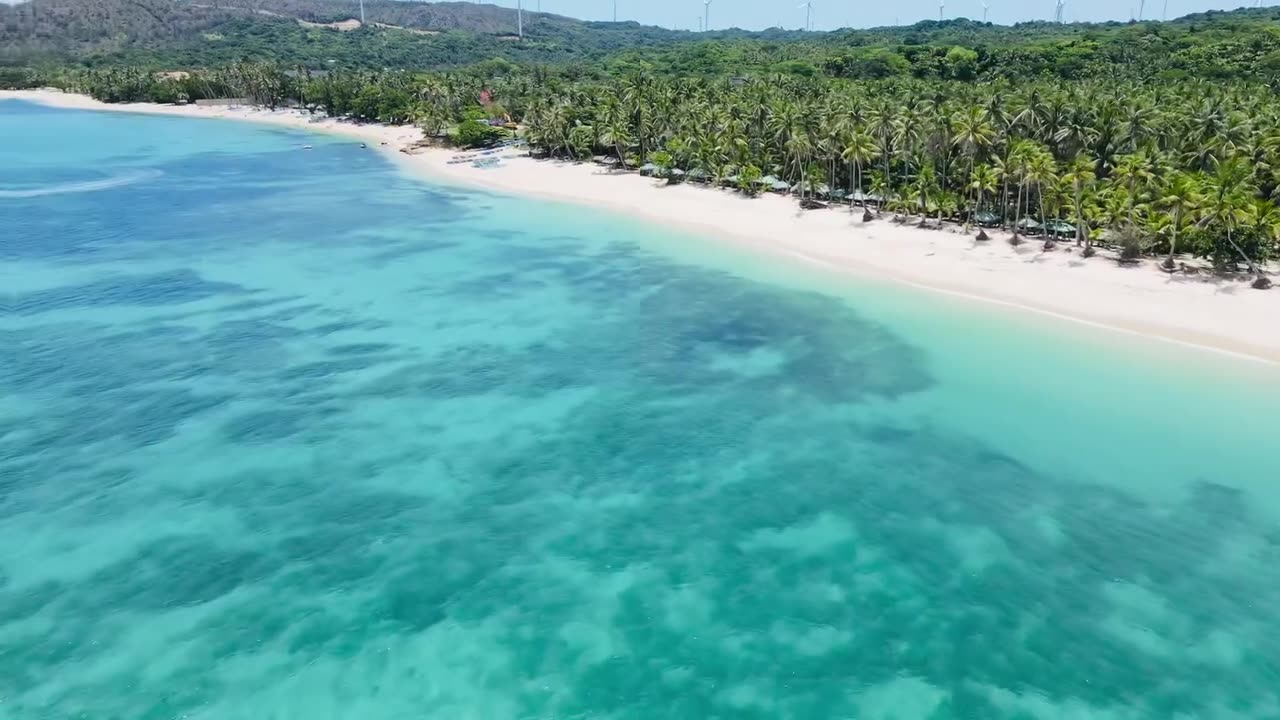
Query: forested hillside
[
  {"x": 324, "y": 34},
  {"x": 320, "y": 33},
  {"x": 1215, "y": 45}
]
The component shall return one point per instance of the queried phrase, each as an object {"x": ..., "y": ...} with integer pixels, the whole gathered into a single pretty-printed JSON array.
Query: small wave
[{"x": 128, "y": 178}]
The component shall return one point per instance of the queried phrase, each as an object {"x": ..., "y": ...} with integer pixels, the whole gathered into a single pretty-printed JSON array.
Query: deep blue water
[{"x": 287, "y": 434}]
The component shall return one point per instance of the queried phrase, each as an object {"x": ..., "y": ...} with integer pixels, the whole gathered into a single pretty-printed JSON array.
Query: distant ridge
[
  {"x": 171, "y": 34},
  {"x": 51, "y": 29}
]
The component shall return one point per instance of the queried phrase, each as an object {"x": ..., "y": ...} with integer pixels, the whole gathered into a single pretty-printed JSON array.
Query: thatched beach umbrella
[
  {"x": 1027, "y": 224},
  {"x": 860, "y": 197},
  {"x": 817, "y": 189},
  {"x": 1061, "y": 228}
]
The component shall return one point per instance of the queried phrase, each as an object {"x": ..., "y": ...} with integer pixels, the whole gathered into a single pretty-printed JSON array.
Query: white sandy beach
[{"x": 1225, "y": 315}]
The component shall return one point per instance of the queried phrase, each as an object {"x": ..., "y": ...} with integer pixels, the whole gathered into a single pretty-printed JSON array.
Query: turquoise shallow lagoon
[{"x": 289, "y": 434}]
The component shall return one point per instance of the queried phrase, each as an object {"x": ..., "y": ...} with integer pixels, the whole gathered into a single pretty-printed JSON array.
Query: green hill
[
  {"x": 315, "y": 32},
  {"x": 326, "y": 34}
]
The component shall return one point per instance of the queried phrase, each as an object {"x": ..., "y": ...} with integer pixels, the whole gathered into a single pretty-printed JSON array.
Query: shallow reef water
[{"x": 291, "y": 435}]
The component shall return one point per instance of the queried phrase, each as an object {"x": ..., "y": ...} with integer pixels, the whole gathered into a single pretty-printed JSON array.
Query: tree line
[
  {"x": 1154, "y": 167},
  {"x": 1159, "y": 167}
]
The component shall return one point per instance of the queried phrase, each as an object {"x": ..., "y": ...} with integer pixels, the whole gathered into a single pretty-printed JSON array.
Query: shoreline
[{"x": 1204, "y": 312}]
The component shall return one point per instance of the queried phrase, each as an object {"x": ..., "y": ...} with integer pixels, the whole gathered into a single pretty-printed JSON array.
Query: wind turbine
[
  {"x": 519, "y": 18},
  {"x": 808, "y": 14},
  {"x": 942, "y": 8},
  {"x": 1059, "y": 10},
  {"x": 1142, "y": 4},
  {"x": 985, "y": 7},
  {"x": 362, "y": 12},
  {"x": 706, "y": 14},
  {"x": 615, "y": 10}
]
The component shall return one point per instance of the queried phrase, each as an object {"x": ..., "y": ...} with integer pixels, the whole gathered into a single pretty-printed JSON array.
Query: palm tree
[
  {"x": 883, "y": 120},
  {"x": 1227, "y": 203},
  {"x": 1140, "y": 117},
  {"x": 858, "y": 149},
  {"x": 880, "y": 188},
  {"x": 1080, "y": 177},
  {"x": 1133, "y": 171},
  {"x": 798, "y": 147},
  {"x": 907, "y": 134},
  {"x": 1181, "y": 196},
  {"x": 615, "y": 132},
  {"x": 1020, "y": 158},
  {"x": 1041, "y": 170},
  {"x": 973, "y": 134},
  {"x": 747, "y": 176},
  {"x": 431, "y": 118},
  {"x": 983, "y": 181},
  {"x": 925, "y": 183}
]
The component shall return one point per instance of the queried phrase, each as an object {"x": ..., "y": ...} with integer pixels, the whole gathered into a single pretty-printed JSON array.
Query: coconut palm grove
[{"x": 1152, "y": 138}]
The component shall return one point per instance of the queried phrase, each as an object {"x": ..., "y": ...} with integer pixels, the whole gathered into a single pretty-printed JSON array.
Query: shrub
[
  {"x": 1130, "y": 245},
  {"x": 1212, "y": 243},
  {"x": 473, "y": 133}
]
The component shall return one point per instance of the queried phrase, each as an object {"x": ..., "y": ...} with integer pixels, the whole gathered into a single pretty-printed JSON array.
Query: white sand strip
[{"x": 1204, "y": 311}]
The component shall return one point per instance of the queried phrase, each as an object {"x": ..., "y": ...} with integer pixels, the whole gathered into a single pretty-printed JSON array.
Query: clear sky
[{"x": 831, "y": 14}]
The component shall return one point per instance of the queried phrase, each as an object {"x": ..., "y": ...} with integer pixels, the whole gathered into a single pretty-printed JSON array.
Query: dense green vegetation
[
  {"x": 178, "y": 34},
  {"x": 184, "y": 34},
  {"x": 1155, "y": 168},
  {"x": 1187, "y": 166},
  {"x": 1215, "y": 45},
  {"x": 1157, "y": 138}
]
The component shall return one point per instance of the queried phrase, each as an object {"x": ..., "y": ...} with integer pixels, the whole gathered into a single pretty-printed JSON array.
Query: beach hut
[
  {"x": 986, "y": 218},
  {"x": 675, "y": 175},
  {"x": 780, "y": 186},
  {"x": 730, "y": 180},
  {"x": 698, "y": 175},
  {"x": 648, "y": 169}
]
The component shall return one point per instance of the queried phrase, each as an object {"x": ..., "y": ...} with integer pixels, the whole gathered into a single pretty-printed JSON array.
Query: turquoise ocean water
[{"x": 288, "y": 434}]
